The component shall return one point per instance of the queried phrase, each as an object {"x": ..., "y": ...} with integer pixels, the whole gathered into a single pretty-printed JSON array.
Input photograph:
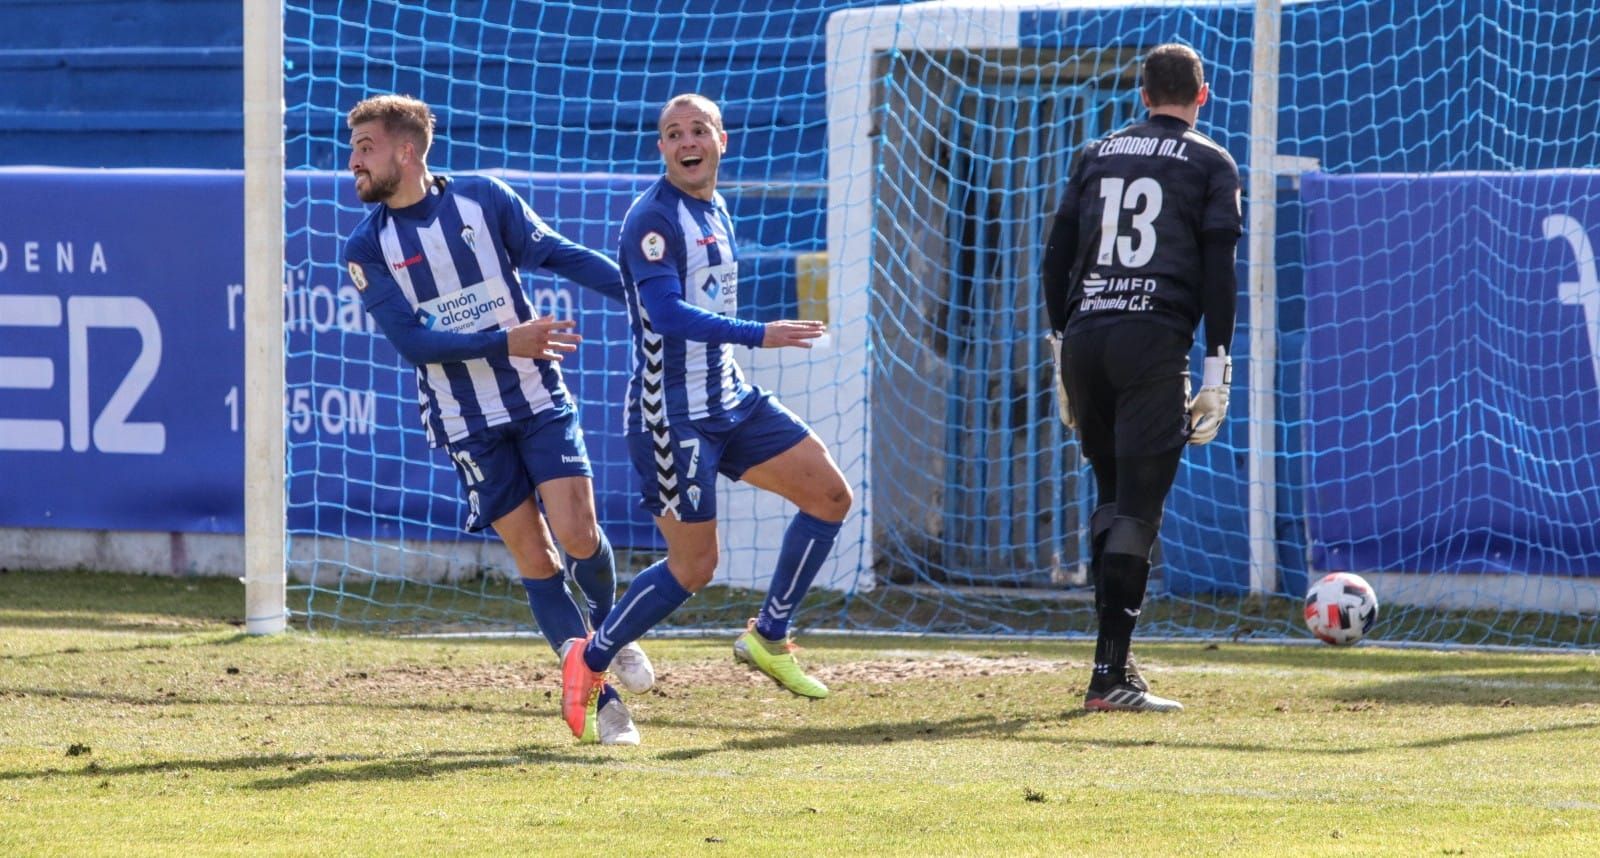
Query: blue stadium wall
[{"x": 118, "y": 83}]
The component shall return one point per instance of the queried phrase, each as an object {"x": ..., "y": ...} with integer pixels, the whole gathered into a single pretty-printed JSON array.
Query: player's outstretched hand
[
  {"x": 792, "y": 332},
  {"x": 543, "y": 338}
]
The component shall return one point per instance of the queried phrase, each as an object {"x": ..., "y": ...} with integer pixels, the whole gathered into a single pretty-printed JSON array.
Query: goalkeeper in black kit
[{"x": 1141, "y": 251}]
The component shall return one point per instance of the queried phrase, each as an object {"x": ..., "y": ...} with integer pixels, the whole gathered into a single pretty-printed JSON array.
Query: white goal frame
[{"x": 857, "y": 36}]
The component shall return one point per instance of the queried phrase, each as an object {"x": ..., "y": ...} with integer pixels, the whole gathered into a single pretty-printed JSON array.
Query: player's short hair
[
  {"x": 401, "y": 115},
  {"x": 1172, "y": 75},
  {"x": 696, "y": 99}
]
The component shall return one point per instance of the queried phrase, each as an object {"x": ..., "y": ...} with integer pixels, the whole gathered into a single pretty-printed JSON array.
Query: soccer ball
[{"x": 1341, "y": 608}]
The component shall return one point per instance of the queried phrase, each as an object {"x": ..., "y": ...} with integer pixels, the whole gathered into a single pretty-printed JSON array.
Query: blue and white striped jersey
[
  {"x": 441, "y": 278},
  {"x": 672, "y": 240}
]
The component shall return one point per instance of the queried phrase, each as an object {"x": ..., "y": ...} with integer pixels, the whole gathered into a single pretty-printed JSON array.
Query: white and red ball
[{"x": 1341, "y": 608}]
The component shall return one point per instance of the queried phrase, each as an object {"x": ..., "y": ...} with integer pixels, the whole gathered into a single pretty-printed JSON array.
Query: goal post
[
  {"x": 265, "y": 579},
  {"x": 1262, "y": 263},
  {"x": 868, "y": 172}
]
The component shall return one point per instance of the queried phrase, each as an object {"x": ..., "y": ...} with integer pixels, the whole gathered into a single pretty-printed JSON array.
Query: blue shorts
[
  {"x": 730, "y": 444},
  {"x": 500, "y": 466}
]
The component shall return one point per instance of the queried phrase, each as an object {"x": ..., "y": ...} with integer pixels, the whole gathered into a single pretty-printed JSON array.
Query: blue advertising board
[
  {"x": 121, "y": 352},
  {"x": 1452, "y": 372}
]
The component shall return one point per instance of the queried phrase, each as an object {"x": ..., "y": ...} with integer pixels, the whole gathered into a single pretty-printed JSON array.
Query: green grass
[{"x": 136, "y": 719}]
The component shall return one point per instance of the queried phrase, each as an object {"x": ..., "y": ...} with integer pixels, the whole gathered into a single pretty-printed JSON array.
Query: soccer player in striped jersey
[
  {"x": 1141, "y": 251},
  {"x": 691, "y": 415},
  {"x": 437, "y": 263}
]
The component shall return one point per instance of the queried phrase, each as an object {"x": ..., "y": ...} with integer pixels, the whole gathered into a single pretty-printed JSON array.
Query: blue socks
[
  {"x": 806, "y": 544},
  {"x": 554, "y": 610},
  {"x": 597, "y": 580},
  {"x": 650, "y": 598}
]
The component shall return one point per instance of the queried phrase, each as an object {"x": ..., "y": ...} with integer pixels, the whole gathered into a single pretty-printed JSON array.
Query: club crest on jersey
[
  {"x": 654, "y": 246},
  {"x": 357, "y": 276},
  {"x": 694, "y": 496},
  {"x": 469, "y": 237}
]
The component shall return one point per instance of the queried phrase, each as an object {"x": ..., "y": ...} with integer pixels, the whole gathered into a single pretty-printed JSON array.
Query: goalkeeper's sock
[
  {"x": 652, "y": 595},
  {"x": 1123, "y": 578},
  {"x": 806, "y": 544},
  {"x": 553, "y": 610},
  {"x": 597, "y": 580}
]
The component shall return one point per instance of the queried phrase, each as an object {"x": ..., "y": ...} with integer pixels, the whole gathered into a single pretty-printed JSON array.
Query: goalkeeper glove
[
  {"x": 1208, "y": 408},
  {"x": 1063, "y": 407}
]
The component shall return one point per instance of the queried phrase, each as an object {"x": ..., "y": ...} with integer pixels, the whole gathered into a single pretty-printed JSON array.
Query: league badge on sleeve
[
  {"x": 358, "y": 277},
  {"x": 654, "y": 246}
]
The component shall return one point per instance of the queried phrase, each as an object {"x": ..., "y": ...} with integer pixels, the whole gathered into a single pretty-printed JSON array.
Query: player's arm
[
  {"x": 1061, "y": 251},
  {"x": 1219, "y": 292},
  {"x": 382, "y": 297},
  {"x": 532, "y": 243},
  {"x": 647, "y": 235},
  {"x": 671, "y": 316},
  {"x": 1222, "y": 225},
  {"x": 585, "y": 267}
]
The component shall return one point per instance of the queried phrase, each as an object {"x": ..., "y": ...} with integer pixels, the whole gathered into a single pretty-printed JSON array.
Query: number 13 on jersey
[{"x": 1143, "y": 198}]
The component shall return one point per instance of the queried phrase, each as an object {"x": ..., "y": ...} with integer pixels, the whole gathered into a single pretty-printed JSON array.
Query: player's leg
[
  {"x": 553, "y": 452},
  {"x": 1125, "y": 573},
  {"x": 569, "y": 506},
  {"x": 1095, "y": 404},
  {"x": 1105, "y": 511},
  {"x": 652, "y": 596},
  {"x": 658, "y": 591},
  {"x": 528, "y": 541},
  {"x": 500, "y": 493},
  {"x": 606, "y": 717},
  {"x": 682, "y": 497},
  {"x": 806, "y": 476},
  {"x": 1147, "y": 366},
  {"x": 683, "y": 500},
  {"x": 1089, "y": 384},
  {"x": 502, "y": 472},
  {"x": 785, "y": 458}
]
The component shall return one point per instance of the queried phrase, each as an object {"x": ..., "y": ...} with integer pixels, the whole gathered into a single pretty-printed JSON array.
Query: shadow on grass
[
  {"x": 285, "y": 700},
  {"x": 990, "y": 727},
  {"x": 1305, "y": 747},
  {"x": 438, "y": 763},
  {"x": 145, "y": 646},
  {"x": 863, "y": 735},
  {"x": 1355, "y": 659},
  {"x": 307, "y": 769}
]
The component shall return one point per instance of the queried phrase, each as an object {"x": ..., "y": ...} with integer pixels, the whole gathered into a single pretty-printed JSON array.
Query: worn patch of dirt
[
  {"x": 513, "y": 676},
  {"x": 433, "y": 678},
  {"x": 881, "y": 671}
]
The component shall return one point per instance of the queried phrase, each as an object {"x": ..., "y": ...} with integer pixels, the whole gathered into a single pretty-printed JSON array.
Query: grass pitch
[{"x": 135, "y": 718}]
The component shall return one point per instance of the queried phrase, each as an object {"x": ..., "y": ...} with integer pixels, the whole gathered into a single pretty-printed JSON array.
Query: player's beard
[{"x": 378, "y": 190}]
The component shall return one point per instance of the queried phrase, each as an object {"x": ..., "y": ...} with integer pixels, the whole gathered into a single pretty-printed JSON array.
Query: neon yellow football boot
[{"x": 776, "y": 659}]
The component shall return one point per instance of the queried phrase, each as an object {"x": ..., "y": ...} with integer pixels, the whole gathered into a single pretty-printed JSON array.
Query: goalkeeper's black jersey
[{"x": 1143, "y": 198}]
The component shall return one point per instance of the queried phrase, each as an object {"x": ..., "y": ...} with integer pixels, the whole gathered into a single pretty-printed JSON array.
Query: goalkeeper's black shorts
[{"x": 1129, "y": 385}]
